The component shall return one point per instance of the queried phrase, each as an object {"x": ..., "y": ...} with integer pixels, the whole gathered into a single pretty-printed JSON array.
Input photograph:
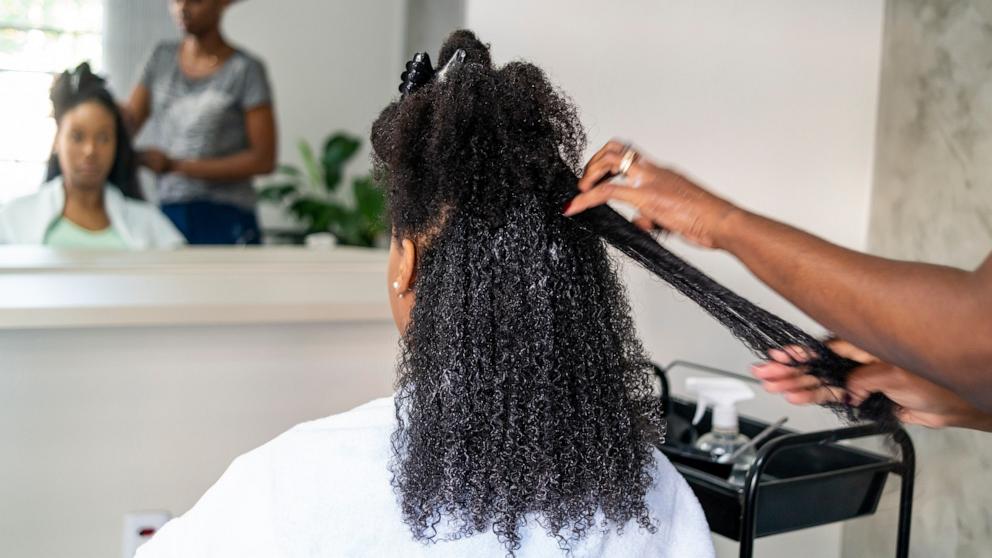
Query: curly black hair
[
  {"x": 522, "y": 387},
  {"x": 73, "y": 88},
  {"x": 523, "y": 393}
]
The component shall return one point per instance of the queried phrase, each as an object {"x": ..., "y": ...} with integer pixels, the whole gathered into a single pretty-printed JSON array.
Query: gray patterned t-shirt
[{"x": 202, "y": 119}]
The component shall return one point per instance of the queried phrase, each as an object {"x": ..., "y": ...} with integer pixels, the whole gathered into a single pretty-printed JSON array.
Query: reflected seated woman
[
  {"x": 524, "y": 421},
  {"x": 92, "y": 198}
]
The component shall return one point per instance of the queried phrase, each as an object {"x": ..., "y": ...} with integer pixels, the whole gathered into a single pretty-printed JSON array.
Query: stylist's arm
[
  {"x": 918, "y": 401},
  {"x": 933, "y": 320}
]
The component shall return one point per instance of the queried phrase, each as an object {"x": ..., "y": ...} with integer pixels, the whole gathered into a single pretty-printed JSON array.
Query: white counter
[{"x": 45, "y": 288}]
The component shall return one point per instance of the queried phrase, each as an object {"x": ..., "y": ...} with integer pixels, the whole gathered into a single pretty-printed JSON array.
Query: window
[{"x": 38, "y": 40}]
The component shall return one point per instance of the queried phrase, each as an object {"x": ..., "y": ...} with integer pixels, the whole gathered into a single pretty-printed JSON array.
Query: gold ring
[{"x": 626, "y": 160}]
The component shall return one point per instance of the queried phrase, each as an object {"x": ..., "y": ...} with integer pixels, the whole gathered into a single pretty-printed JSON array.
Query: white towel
[{"x": 322, "y": 490}]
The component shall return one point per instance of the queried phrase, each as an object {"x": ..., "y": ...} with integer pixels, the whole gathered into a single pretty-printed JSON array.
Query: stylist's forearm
[
  {"x": 976, "y": 421},
  {"x": 930, "y": 319},
  {"x": 240, "y": 166}
]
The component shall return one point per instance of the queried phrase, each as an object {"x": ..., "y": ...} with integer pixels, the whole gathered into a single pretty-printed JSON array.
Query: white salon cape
[
  {"x": 141, "y": 225},
  {"x": 322, "y": 489}
]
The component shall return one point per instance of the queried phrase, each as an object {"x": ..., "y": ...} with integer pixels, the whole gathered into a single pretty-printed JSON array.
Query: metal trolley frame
[{"x": 798, "y": 480}]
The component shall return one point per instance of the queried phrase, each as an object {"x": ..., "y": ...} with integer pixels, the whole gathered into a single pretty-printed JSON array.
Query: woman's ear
[{"x": 406, "y": 271}]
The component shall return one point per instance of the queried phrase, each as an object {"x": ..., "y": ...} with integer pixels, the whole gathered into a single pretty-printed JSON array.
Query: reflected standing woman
[{"x": 208, "y": 107}]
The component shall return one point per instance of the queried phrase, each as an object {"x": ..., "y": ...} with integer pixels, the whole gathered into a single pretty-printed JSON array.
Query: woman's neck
[
  {"x": 203, "y": 55},
  {"x": 84, "y": 207},
  {"x": 206, "y": 46}
]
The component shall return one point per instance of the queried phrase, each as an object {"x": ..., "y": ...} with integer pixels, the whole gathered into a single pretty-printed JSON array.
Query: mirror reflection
[{"x": 159, "y": 124}]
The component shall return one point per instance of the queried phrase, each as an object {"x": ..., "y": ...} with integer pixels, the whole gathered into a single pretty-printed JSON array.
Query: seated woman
[
  {"x": 92, "y": 198},
  {"x": 524, "y": 421}
]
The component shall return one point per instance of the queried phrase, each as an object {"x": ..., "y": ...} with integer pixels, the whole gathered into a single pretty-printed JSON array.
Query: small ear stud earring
[{"x": 396, "y": 285}]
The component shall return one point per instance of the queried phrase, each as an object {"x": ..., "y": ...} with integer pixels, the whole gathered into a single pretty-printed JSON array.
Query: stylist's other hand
[
  {"x": 157, "y": 161},
  {"x": 920, "y": 401},
  {"x": 662, "y": 197}
]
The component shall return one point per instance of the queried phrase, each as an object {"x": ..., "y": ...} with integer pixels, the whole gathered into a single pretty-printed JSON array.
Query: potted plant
[{"x": 314, "y": 197}]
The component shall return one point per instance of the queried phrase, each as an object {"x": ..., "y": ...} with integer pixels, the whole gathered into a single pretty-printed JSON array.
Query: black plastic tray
[
  {"x": 798, "y": 480},
  {"x": 802, "y": 486}
]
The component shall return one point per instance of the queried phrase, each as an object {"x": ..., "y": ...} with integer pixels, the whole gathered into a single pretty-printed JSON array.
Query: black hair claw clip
[{"x": 418, "y": 72}]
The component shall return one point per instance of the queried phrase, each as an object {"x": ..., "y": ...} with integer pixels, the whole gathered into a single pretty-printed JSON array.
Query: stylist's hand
[
  {"x": 921, "y": 401},
  {"x": 157, "y": 161},
  {"x": 662, "y": 197}
]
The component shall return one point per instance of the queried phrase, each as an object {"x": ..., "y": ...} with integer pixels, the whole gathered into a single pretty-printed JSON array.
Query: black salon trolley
[{"x": 798, "y": 480}]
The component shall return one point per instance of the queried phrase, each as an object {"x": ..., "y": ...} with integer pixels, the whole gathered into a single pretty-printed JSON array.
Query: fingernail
[{"x": 568, "y": 205}]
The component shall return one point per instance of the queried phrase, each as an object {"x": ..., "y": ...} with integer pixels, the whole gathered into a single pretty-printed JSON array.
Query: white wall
[
  {"x": 429, "y": 22},
  {"x": 131, "y": 29},
  {"x": 333, "y": 65},
  {"x": 771, "y": 102}
]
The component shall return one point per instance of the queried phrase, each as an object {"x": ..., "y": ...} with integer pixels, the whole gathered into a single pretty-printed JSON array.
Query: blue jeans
[{"x": 203, "y": 222}]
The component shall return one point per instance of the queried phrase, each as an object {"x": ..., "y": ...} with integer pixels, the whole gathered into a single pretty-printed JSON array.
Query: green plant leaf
[
  {"x": 356, "y": 220},
  {"x": 321, "y": 222},
  {"x": 310, "y": 162},
  {"x": 349, "y": 229},
  {"x": 307, "y": 209},
  {"x": 276, "y": 193},
  {"x": 370, "y": 200},
  {"x": 318, "y": 215},
  {"x": 288, "y": 170},
  {"x": 338, "y": 149}
]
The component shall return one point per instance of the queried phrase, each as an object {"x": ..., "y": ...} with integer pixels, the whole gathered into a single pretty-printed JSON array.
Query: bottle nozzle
[
  {"x": 701, "y": 404},
  {"x": 723, "y": 394}
]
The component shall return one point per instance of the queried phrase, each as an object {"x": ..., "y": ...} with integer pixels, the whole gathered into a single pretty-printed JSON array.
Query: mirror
[{"x": 249, "y": 121}]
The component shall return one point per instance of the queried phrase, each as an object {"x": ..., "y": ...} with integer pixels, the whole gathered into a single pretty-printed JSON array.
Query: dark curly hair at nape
[{"x": 523, "y": 394}]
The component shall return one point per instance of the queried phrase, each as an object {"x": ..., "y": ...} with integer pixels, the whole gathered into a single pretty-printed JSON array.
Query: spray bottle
[{"x": 725, "y": 437}]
